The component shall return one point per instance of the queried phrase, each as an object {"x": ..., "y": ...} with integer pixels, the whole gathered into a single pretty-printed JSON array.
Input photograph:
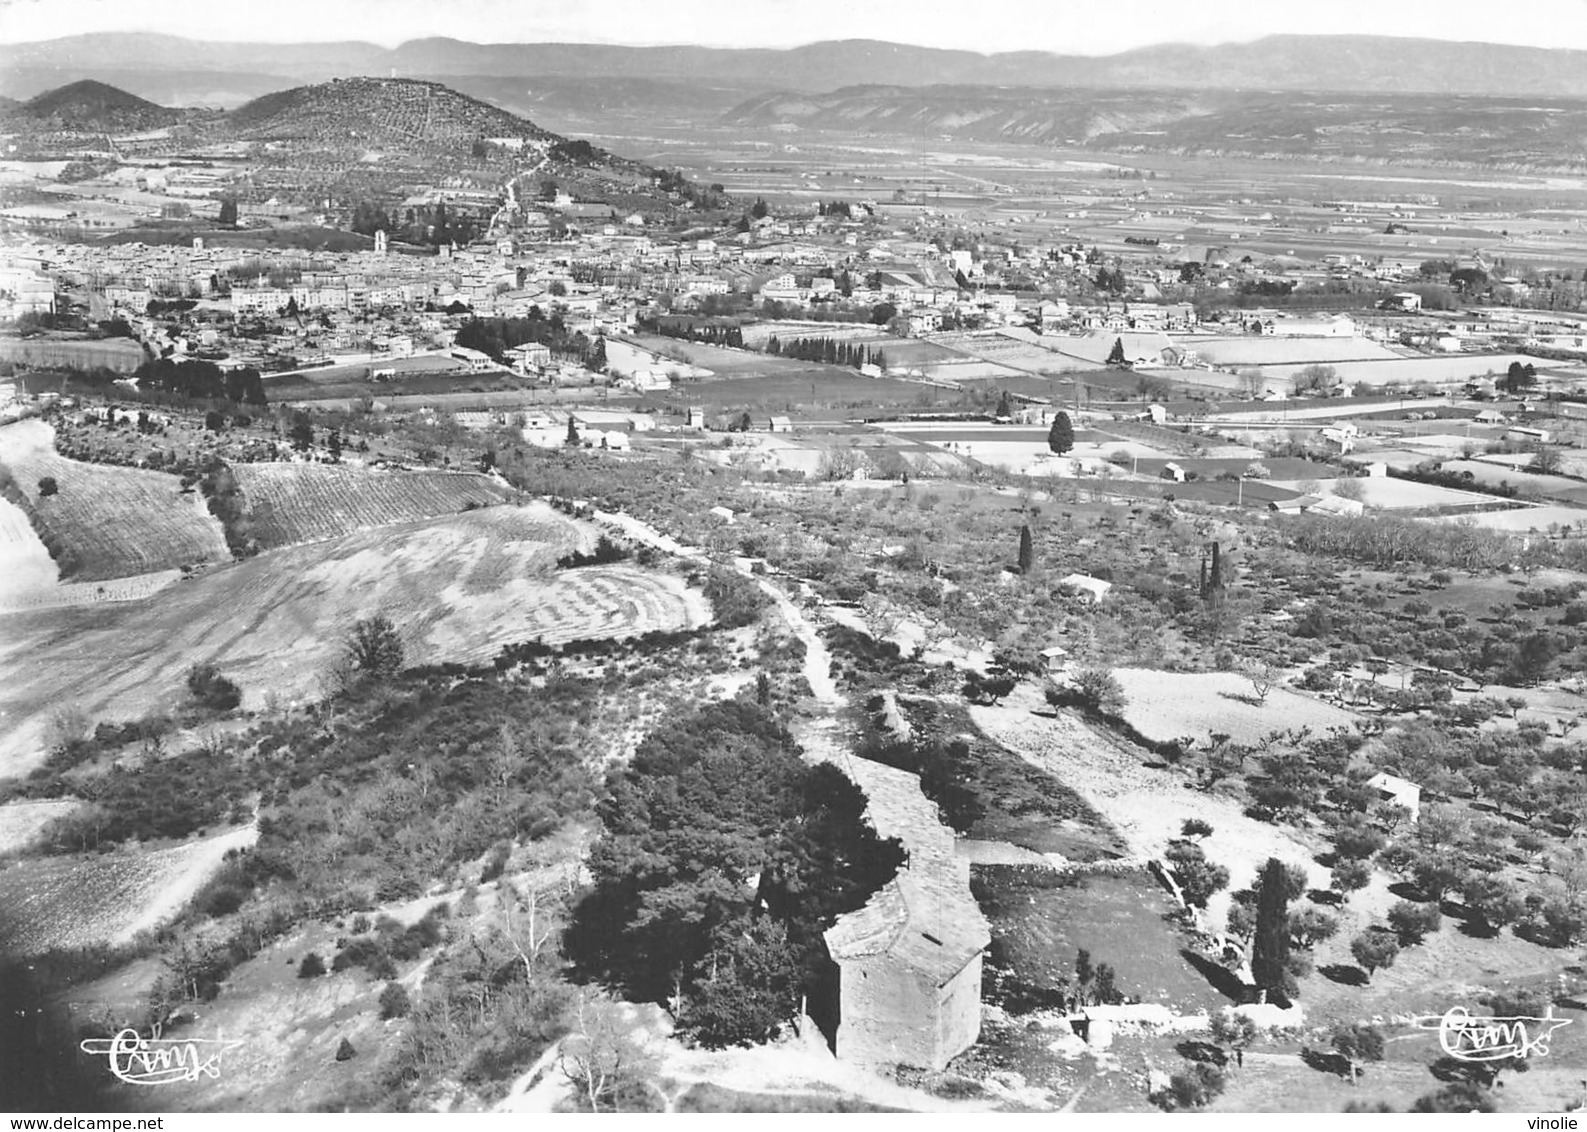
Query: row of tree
[{"x": 832, "y": 351}]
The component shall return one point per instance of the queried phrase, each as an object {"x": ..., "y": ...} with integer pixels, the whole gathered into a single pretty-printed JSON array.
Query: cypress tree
[
  {"x": 1270, "y": 943},
  {"x": 1061, "y": 437},
  {"x": 1027, "y": 550}
]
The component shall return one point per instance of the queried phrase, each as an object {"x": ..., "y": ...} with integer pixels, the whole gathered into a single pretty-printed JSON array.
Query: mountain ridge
[{"x": 1347, "y": 63}]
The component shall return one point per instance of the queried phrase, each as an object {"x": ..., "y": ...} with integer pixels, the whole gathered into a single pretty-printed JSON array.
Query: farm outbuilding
[
  {"x": 1086, "y": 586},
  {"x": 1398, "y": 791},
  {"x": 909, "y": 961}
]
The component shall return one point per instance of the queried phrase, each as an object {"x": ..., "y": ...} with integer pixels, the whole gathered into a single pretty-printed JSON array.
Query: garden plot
[
  {"x": 1489, "y": 471},
  {"x": 108, "y": 522},
  {"x": 1522, "y": 520},
  {"x": 1407, "y": 371},
  {"x": 1164, "y": 706},
  {"x": 1276, "y": 350},
  {"x": 293, "y": 503},
  {"x": 1383, "y": 493}
]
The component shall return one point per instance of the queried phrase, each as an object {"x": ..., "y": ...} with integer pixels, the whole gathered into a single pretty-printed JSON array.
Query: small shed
[
  {"x": 694, "y": 417},
  {"x": 1337, "y": 505},
  {"x": 1398, "y": 791},
  {"x": 779, "y": 424},
  {"x": 1172, "y": 471},
  {"x": 1084, "y": 585},
  {"x": 723, "y": 513},
  {"x": 1157, "y": 414},
  {"x": 1491, "y": 416}
]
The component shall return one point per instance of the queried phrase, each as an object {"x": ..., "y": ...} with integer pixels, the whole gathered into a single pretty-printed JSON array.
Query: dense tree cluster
[
  {"x": 201, "y": 381},
  {"x": 495, "y": 336},
  {"x": 723, "y": 858}
]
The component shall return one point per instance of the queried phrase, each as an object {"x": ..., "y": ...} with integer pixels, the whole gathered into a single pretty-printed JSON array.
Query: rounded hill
[
  {"x": 397, "y": 113},
  {"x": 92, "y": 105}
]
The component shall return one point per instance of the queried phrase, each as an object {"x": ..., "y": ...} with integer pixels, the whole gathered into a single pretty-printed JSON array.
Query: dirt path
[{"x": 818, "y": 661}]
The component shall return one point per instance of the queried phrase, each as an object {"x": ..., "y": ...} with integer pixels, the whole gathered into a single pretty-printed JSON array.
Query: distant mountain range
[
  {"x": 1518, "y": 133},
  {"x": 1360, "y": 64}
]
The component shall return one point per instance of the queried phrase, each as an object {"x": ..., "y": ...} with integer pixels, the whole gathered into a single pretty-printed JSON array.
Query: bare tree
[
  {"x": 601, "y": 1056},
  {"x": 1262, "y": 676}
]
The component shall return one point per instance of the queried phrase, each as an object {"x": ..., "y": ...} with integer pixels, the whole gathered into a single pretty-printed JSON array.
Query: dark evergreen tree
[
  {"x": 1061, "y": 437},
  {"x": 1116, "y": 355},
  {"x": 1270, "y": 943},
  {"x": 1027, "y": 550}
]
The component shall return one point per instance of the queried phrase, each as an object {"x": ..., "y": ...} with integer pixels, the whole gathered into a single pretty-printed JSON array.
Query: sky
[{"x": 1064, "y": 26}]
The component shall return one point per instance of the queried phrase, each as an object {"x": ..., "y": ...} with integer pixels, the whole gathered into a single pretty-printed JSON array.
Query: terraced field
[
  {"x": 107, "y": 522},
  {"x": 457, "y": 588},
  {"x": 287, "y": 504}
]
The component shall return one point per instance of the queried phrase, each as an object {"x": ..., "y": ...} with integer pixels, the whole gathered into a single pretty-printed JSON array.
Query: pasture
[
  {"x": 813, "y": 387},
  {"x": 108, "y": 522},
  {"x": 286, "y": 504},
  {"x": 1523, "y": 520},
  {"x": 1164, "y": 706}
]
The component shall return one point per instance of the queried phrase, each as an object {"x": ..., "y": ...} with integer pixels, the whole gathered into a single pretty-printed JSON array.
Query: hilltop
[
  {"x": 89, "y": 105},
  {"x": 402, "y": 113}
]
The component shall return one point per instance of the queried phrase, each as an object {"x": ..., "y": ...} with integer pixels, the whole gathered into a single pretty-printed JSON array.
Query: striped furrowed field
[
  {"x": 595, "y": 602},
  {"x": 108, "y": 522},
  {"x": 457, "y": 588},
  {"x": 286, "y": 504}
]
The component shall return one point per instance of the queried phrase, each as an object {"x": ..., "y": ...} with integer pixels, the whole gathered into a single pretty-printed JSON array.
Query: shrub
[
  {"x": 312, "y": 966},
  {"x": 1095, "y": 689},
  {"x": 1412, "y": 923},
  {"x": 345, "y": 1051},
  {"x": 1375, "y": 949},
  {"x": 394, "y": 1001},
  {"x": 212, "y": 690},
  {"x": 48, "y": 486},
  {"x": 1195, "y": 1087}
]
